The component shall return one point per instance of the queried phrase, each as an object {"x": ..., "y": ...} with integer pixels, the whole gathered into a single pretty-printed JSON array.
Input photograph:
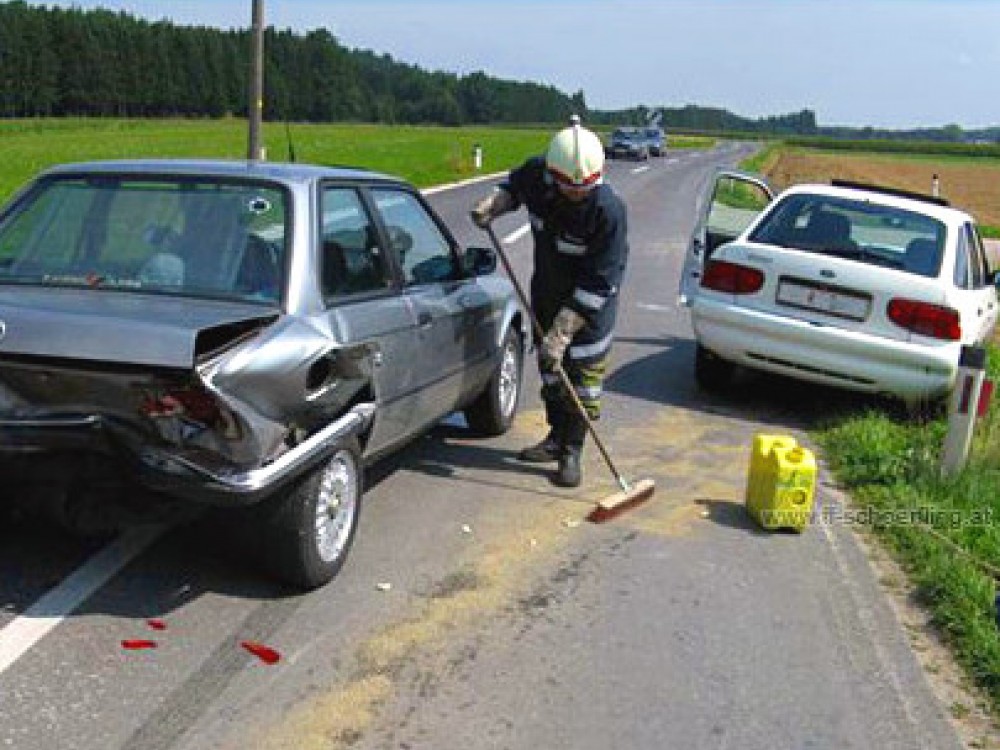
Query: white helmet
[{"x": 576, "y": 156}]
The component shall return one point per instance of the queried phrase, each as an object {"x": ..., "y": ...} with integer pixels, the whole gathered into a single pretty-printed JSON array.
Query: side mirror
[{"x": 479, "y": 261}]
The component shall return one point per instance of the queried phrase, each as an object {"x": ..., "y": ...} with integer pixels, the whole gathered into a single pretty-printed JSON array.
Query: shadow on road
[
  {"x": 667, "y": 377},
  {"x": 730, "y": 514}
]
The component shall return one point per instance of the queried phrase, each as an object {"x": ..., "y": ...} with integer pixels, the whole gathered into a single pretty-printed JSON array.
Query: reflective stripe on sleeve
[
  {"x": 589, "y": 300},
  {"x": 569, "y": 248},
  {"x": 586, "y": 351}
]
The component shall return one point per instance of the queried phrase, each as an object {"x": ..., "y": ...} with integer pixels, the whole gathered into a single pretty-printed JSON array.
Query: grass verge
[
  {"x": 423, "y": 155},
  {"x": 944, "y": 531}
]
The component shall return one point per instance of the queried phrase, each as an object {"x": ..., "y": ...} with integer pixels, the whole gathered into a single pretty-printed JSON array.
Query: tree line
[
  {"x": 711, "y": 119},
  {"x": 57, "y": 62},
  {"x": 70, "y": 62}
]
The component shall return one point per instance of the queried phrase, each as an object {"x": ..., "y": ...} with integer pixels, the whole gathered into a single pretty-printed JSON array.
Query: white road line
[
  {"x": 672, "y": 161},
  {"x": 639, "y": 170},
  {"x": 656, "y": 308},
  {"x": 25, "y": 631},
  {"x": 517, "y": 234}
]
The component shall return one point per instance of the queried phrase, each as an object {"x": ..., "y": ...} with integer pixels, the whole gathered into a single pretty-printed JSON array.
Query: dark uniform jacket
[{"x": 580, "y": 254}]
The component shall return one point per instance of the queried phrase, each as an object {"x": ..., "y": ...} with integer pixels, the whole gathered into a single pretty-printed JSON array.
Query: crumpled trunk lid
[{"x": 119, "y": 328}]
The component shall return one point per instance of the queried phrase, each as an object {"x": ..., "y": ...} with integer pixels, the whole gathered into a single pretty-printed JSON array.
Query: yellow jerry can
[{"x": 781, "y": 482}]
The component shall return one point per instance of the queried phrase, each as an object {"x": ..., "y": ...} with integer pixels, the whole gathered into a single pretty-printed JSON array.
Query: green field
[{"x": 423, "y": 155}]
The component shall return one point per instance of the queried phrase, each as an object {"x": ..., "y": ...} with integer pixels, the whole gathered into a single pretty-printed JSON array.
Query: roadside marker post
[{"x": 968, "y": 399}]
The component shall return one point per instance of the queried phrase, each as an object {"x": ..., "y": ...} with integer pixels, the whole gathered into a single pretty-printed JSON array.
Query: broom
[{"x": 630, "y": 494}]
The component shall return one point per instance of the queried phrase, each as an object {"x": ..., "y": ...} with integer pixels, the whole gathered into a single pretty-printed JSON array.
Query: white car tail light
[
  {"x": 926, "y": 319},
  {"x": 723, "y": 276}
]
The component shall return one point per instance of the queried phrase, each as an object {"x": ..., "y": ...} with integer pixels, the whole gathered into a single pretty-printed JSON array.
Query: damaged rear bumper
[{"x": 198, "y": 477}]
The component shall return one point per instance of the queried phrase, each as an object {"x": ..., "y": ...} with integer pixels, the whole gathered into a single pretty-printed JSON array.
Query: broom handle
[{"x": 563, "y": 377}]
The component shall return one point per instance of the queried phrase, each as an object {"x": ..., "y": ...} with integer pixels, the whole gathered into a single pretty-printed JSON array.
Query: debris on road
[
  {"x": 265, "y": 653},
  {"x": 137, "y": 644}
]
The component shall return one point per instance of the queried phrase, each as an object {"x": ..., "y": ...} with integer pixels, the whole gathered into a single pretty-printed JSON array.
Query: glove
[
  {"x": 493, "y": 205},
  {"x": 558, "y": 337}
]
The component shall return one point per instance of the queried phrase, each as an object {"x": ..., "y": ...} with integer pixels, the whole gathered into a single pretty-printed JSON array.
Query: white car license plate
[{"x": 839, "y": 303}]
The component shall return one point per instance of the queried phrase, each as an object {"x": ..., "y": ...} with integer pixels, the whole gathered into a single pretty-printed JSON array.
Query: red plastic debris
[
  {"x": 265, "y": 653},
  {"x": 134, "y": 644},
  {"x": 156, "y": 624}
]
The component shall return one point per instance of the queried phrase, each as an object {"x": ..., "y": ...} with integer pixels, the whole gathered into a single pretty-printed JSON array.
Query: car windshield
[
  {"x": 190, "y": 237},
  {"x": 865, "y": 231},
  {"x": 626, "y": 135}
]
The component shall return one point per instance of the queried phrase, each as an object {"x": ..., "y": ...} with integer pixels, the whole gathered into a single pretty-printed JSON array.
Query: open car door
[{"x": 731, "y": 203}]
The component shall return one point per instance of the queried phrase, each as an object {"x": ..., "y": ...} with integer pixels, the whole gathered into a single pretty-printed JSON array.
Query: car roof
[
  {"x": 946, "y": 214},
  {"x": 264, "y": 170}
]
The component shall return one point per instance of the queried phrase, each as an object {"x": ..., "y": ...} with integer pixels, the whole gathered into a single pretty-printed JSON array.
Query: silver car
[{"x": 241, "y": 334}]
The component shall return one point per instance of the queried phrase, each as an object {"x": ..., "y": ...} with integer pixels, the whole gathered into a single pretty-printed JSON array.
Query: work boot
[
  {"x": 569, "y": 473},
  {"x": 549, "y": 449}
]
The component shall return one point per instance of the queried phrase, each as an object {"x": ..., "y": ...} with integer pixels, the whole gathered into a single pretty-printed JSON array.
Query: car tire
[
  {"x": 492, "y": 413},
  {"x": 711, "y": 372},
  {"x": 313, "y": 524}
]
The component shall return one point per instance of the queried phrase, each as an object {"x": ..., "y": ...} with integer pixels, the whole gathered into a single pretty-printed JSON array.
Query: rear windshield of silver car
[
  {"x": 208, "y": 238},
  {"x": 868, "y": 232}
]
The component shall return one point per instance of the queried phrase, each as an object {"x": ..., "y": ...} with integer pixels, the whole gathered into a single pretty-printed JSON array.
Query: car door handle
[{"x": 424, "y": 319}]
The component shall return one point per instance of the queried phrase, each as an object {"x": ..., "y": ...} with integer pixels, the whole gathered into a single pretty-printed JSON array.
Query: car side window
[
  {"x": 977, "y": 257},
  {"x": 735, "y": 203},
  {"x": 422, "y": 251},
  {"x": 351, "y": 261},
  {"x": 963, "y": 262}
]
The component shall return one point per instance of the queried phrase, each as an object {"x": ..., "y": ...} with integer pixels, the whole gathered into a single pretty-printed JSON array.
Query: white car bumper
[{"x": 825, "y": 354}]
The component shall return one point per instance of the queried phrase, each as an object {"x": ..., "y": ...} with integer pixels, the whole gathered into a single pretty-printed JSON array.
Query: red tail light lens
[
  {"x": 723, "y": 276},
  {"x": 926, "y": 319},
  {"x": 195, "y": 404}
]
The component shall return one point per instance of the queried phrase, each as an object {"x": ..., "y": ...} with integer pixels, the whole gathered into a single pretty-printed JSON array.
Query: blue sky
[{"x": 886, "y": 63}]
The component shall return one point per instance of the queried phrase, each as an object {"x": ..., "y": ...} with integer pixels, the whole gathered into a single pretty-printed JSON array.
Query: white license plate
[{"x": 833, "y": 302}]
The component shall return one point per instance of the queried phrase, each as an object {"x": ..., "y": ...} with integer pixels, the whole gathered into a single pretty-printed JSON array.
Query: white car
[{"x": 849, "y": 285}]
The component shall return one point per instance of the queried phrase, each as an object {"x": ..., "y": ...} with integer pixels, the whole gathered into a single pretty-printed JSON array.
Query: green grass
[
  {"x": 423, "y": 155},
  {"x": 937, "y": 527},
  {"x": 929, "y": 149},
  {"x": 759, "y": 160}
]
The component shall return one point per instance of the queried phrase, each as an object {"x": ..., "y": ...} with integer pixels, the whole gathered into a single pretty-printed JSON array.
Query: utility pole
[{"x": 255, "y": 114}]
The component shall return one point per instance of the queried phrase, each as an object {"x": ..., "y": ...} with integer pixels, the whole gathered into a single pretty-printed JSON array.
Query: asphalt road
[{"x": 477, "y": 610}]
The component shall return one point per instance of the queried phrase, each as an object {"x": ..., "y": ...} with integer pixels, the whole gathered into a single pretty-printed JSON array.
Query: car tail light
[
  {"x": 193, "y": 403},
  {"x": 926, "y": 319},
  {"x": 723, "y": 276}
]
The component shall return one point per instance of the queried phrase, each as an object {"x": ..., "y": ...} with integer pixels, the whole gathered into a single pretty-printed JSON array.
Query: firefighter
[{"x": 579, "y": 228}]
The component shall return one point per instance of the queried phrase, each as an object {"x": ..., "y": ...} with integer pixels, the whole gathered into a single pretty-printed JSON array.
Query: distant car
[
  {"x": 656, "y": 141},
  {"x": 242, "y": 334},
  {"x": 848, "y": 285},
  {"x": 628, "y": 143}
]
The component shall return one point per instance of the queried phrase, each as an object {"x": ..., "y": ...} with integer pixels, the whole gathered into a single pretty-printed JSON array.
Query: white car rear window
[{"x": 867, "y": 232}]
